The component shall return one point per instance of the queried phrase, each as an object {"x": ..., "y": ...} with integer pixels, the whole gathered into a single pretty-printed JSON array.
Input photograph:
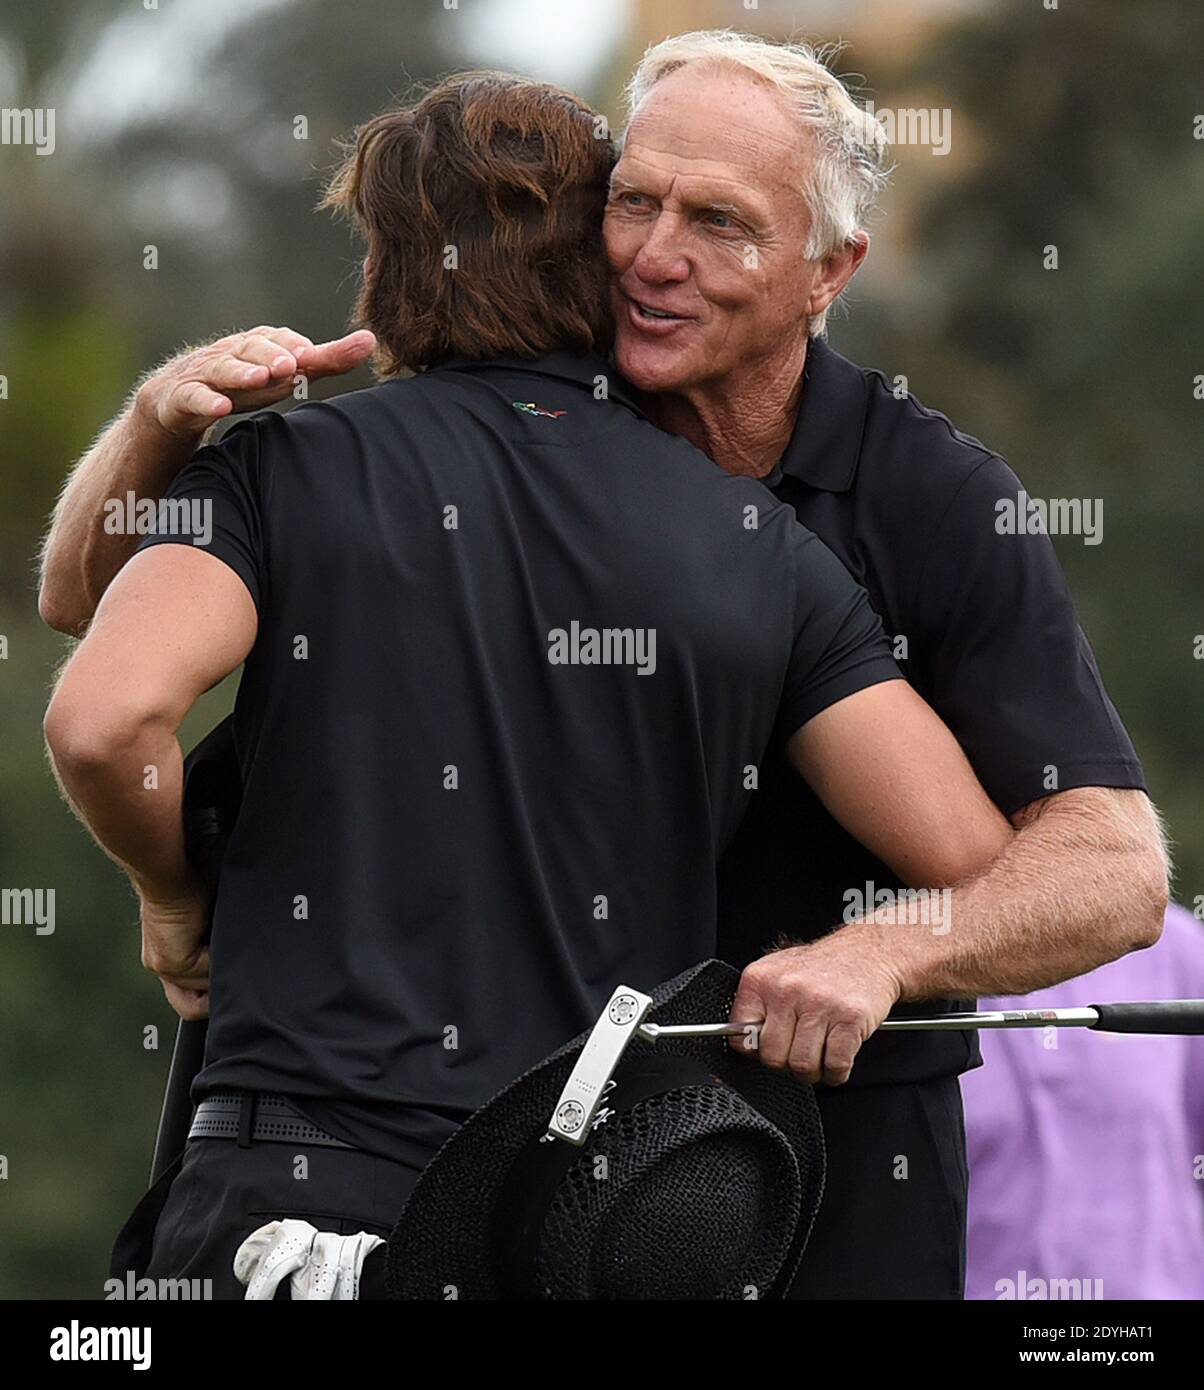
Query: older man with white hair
[{"x": 736, "y": 219}]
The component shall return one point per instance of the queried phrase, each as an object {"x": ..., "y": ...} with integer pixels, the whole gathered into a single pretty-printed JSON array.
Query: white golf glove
[{"x": 317, "y": 1264}]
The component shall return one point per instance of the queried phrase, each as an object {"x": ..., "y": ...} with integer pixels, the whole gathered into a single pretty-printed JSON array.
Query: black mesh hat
[{"x": 700, "y": 1178}]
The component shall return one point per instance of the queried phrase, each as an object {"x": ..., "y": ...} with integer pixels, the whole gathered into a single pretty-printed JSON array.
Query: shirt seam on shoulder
[{"x": 927, "y": 412}]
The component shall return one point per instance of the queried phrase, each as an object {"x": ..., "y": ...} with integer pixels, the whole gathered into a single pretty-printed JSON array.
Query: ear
[{"x": 835, "y": 272}]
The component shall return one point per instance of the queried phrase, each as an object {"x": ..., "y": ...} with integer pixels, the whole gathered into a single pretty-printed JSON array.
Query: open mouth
[
  {"x": 648, "y": 312},
  {"x": 647, "y": 316}
]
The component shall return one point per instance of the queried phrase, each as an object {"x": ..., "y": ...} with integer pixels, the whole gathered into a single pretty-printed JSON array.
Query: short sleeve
[
  {"x": 215, "y": 504},
  {"x": 839, "y": 646},
  {"x": 1010, "y": 670}
]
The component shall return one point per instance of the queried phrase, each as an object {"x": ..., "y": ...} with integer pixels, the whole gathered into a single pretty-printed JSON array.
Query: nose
[{"x": 661, "y": 258}]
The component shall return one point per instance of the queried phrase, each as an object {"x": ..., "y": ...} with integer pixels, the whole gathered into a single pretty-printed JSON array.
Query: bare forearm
[
  {"x": 1083, "y": 882},
  {"x": 127, "y": 789},
  {"x": 173, "y": 623},
  {"x": 81, "y": 556}
]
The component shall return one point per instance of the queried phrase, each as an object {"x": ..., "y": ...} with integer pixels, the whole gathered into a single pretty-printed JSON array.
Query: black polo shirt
[
  {"x": 519, "y": 653},
  {"x": 983, "y": 627}
]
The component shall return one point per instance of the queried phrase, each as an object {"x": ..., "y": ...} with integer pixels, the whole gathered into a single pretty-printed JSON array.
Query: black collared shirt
[
  {"x": 519, "y": 655},
  {"x": 983, "y": 627}
]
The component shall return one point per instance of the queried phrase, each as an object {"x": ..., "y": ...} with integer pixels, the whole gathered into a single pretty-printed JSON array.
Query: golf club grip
[
  {"x": 1152, "y": 1016},
  {"x": 175, "y": 1118}
]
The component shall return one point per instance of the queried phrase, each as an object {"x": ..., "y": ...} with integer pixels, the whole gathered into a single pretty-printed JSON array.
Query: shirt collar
[
  {"x": 826, "y": 444},
  {"x": 583, "y": 369}
]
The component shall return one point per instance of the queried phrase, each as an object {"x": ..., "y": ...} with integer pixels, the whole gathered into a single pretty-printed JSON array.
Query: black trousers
[
  {"x": 892, "y": 1223},
  {"x": 191, "y": 1223}
]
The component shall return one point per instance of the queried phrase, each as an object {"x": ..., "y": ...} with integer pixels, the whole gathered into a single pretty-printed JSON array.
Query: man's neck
[{"x": 743, "y": 425}]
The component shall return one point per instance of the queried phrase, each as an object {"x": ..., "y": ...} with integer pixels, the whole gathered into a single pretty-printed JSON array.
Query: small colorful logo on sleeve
[{"x": 530, "y": 408}]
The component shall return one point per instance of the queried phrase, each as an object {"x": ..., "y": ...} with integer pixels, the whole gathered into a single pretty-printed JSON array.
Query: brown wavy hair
[{"x": 481, "y": 206}]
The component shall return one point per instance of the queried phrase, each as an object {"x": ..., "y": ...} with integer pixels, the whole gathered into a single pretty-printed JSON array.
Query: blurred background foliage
[{"x": 176, "y": 127}]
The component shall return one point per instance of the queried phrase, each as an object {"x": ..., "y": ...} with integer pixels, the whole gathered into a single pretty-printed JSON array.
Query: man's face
[{"x": 706, "y": 224}]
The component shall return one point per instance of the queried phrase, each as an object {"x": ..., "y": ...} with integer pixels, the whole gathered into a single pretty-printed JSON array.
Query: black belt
[{"x": 250, "y": 1117}]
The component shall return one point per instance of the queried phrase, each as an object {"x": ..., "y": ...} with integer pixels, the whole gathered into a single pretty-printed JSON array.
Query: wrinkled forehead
[{"x": 717, "y": 123}]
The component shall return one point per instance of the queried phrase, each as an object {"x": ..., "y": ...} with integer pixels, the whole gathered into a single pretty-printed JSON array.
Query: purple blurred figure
[{"x": 1086, "y": 1149}]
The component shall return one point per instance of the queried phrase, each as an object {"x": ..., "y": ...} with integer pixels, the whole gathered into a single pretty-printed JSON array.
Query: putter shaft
[{"x": 1011, "y": 1018}]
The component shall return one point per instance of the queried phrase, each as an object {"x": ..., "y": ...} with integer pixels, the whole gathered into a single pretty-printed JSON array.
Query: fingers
[
  {"x": 191, "y": 1005},
  {"x": 182, "y": 971},
  {"x": 246, "y": 371},
  {"x": 840, "y": 1051},
  {"x": 747, "y": 1008},
  {"x": 243, "y": 372},
  {"x": 195, "y": 978},
  {"x": 262, "y": 350},
  {"x": 193, "y": 982},
  {"x": 231, "y": 373},
  {"x": 806, "y": 1056},
  {"x": 193, "y": 401},
  {"x": 763, "y": 998},
  {"x": 314, "y": 360},
  {"x": 338, "y": 356},
  {"x": 777, "y": 1038},
  {"x": 819, "y": 1049},
  {"x": 291, "y": 341},
  {"x": 814, "y": 1024}
]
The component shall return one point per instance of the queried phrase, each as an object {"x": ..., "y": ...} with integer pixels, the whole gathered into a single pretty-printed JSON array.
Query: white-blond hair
[{"x": 849, "y": 170}]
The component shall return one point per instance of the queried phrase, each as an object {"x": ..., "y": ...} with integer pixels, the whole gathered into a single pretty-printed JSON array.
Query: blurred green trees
[{"x": 1084, "y": 133}]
